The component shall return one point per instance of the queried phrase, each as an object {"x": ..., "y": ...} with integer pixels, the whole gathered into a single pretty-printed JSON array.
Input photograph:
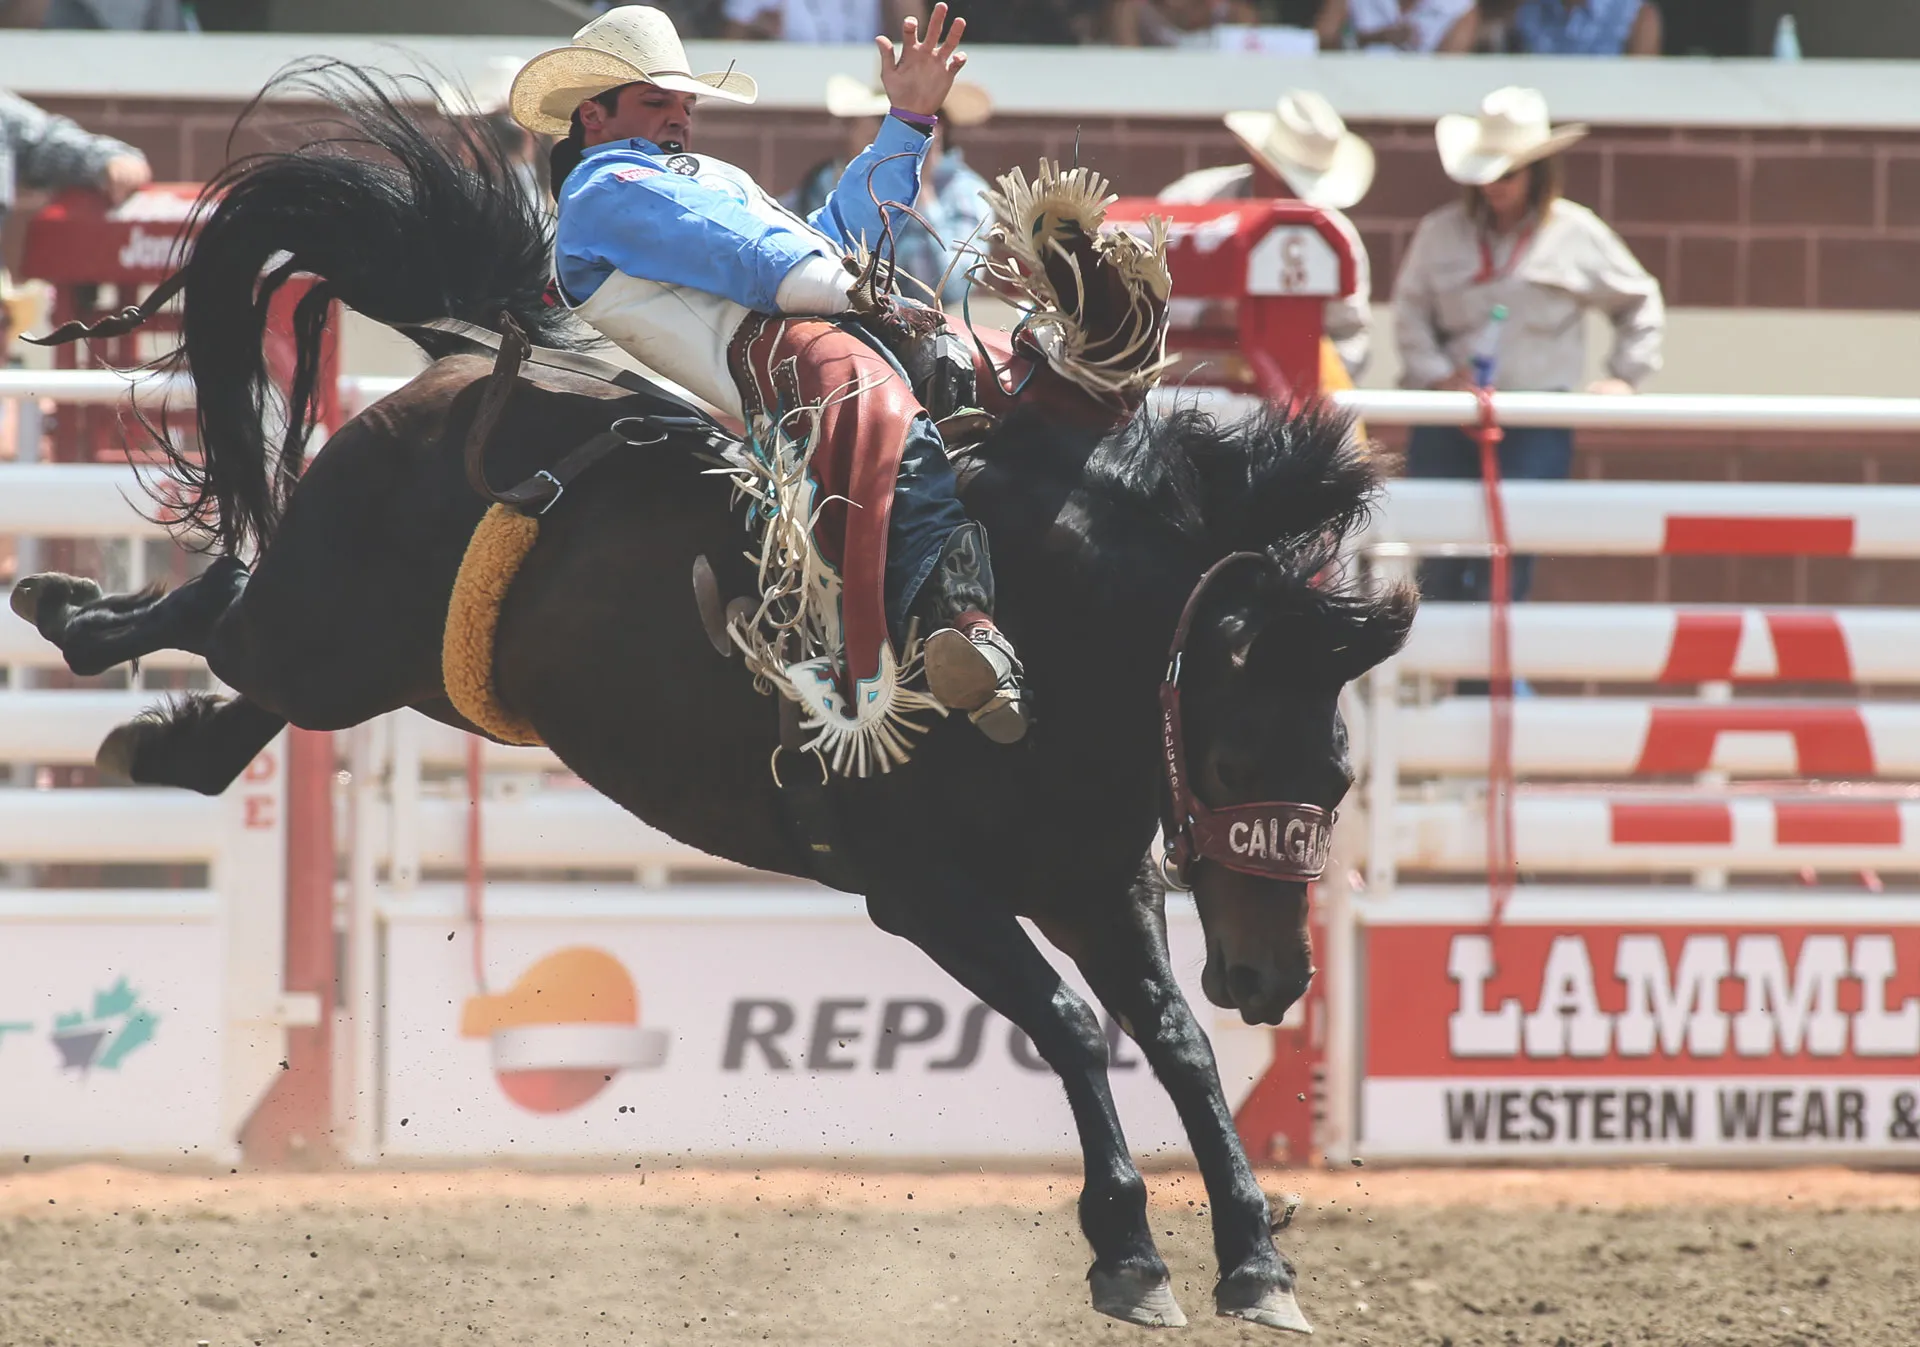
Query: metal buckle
[
  {"x": 773, "y": 763},
  {"x": 559, "y": 490},
  {"x": 1172, "y": 880},
  {"x": 627, "y": 435}
]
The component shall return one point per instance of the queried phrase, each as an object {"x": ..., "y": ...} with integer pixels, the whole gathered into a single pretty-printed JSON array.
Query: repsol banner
[
  {"x": 1623, "y": 1041},
  {"x": 716, "y": 1025}
]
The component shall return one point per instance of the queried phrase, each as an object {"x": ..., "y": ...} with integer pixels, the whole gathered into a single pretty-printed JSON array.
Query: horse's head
[
  {"x": 1261, "y": 685},
  {"x": 1273, "y": 642}
]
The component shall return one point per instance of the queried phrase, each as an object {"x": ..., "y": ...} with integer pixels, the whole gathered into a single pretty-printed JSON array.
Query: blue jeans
[
  {"x": 926, "y": 511},
  {"x": 1448, "y": 451}
]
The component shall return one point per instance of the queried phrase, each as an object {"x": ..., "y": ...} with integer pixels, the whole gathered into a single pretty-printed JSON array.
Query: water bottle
[
  {"x": 1486, "y": 350},
  {"x": 1786, "y": 39}
]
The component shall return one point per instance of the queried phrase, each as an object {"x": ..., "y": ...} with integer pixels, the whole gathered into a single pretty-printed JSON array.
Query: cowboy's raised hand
[{"x": 918, "y": 72}]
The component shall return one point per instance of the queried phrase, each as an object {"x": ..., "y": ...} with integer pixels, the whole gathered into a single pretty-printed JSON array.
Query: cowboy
[
  {"x": 1301, "y": 147},
  {"x": 687, "y": 264}
]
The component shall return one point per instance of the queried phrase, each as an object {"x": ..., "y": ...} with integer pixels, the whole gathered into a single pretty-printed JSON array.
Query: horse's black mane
[
  {"x": 1174, "y": 490},
  {"x": 1293, "y": 482}
]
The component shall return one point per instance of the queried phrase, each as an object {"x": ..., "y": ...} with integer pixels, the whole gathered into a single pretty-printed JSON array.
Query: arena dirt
[{"x": 92, "y": 1256}]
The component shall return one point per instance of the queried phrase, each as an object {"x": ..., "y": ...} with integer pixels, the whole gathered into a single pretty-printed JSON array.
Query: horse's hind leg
[
  {"x": 198, "y": 742},
  {"x": 96, "y": 631}
]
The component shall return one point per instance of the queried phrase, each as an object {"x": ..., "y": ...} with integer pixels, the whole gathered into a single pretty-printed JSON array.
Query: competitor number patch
[{"x": 684, "y": 164}]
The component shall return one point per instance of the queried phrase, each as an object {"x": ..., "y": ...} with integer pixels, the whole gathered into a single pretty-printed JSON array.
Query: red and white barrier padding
[
  {"x": 1618, "y": 737},
  {"x": 1650, "y": 643},
  {"x": 1587, "y": 834},
  {"x": 1658, "y": 518}
]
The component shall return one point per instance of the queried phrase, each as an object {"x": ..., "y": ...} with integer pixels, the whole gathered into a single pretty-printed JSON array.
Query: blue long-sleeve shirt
[{"x": 685, "y": 219}]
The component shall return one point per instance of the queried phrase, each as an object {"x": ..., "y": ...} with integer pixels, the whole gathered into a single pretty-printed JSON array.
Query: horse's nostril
[{"x": 1243, "y": 984}]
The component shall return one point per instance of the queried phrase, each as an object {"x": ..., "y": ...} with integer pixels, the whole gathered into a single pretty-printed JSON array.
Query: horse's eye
[{"x": 1237, "y": 774}]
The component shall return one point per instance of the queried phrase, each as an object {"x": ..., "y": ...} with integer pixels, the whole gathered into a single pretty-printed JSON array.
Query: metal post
[
  {"x": 1340, "y": 1132},
  {"x": 1389, "y": 565},
  {"x": 403, "y": 846},
  {"x": 296, "y": 1117},
  {"x": 361, "y": 1098}
]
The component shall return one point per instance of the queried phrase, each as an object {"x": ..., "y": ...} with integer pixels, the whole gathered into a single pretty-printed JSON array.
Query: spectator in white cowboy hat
[
  {"x": 1508, "y": 273},
  {"x": 1398, "y": 25},
  {"x": 951, "y": 198},
  {"x": 820, "y": 20},
  {"x": 1303, "y": 144}
]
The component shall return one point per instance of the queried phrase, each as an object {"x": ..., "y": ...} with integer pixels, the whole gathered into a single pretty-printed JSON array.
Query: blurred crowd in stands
[
  {"x": 1583, "y": 27},
  {"x": 1559, "y": 27}
]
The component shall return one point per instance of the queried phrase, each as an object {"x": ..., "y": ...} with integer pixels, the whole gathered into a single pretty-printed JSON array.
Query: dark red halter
[{"x": 1273, "y": 839}]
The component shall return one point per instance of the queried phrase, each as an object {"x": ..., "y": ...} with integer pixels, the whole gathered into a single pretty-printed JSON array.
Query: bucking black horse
[{"x": 325, "y": 606}]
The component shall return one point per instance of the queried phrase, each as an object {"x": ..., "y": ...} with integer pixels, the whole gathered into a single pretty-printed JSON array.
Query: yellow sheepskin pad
[{"x": 494, "y": 553}]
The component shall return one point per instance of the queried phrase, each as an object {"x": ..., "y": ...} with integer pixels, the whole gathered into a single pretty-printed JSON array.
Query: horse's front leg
[
  {"x": 988, "y": 952},
  {"x": 96, "y": 631},
  {"x": 1122, "y": 951}
]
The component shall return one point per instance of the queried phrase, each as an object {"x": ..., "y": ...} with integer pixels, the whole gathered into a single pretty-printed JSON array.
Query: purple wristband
[{"x": 928, "y": 120}]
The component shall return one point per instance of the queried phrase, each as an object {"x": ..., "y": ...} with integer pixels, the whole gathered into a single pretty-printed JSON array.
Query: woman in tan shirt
[{"x": 1510, "y": 271}]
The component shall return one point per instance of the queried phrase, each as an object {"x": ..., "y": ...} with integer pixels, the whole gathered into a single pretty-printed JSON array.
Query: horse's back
[
  {"x": 353, "y": 587},
  {"x": 599, "y": 642}
]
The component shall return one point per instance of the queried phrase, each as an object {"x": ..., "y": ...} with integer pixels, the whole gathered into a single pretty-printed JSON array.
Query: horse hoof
[
  {"x": 31, "y": 593},
  {"x": 25, "y": 599},
  {"x": 114, "y": 758},
  {"x": 1137, "y": 1296},
  {"x": 1274, "y": 1307}
]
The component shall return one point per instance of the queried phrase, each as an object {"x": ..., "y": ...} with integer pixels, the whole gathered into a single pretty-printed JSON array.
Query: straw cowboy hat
[
  {"x": 1305, "y": 142},
  {"x": 1510, "y": 131},
  {"x": 623, "y": 46},
  {"x": 967, "y": 103}
]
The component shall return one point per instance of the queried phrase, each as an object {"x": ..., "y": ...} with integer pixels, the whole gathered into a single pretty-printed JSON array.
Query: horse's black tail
[{"x": 401, "y": 222}]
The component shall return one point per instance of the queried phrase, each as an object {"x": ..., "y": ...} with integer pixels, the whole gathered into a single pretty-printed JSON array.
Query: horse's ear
[
  {"x": 1238, "y": 633},
  {"x": 1332, "y": 639},
  {"x": 1386, "y": 620}
]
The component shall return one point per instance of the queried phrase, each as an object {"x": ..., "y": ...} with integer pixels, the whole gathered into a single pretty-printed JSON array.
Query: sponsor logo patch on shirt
[
  {"x": 635, "y": 172},
  {"x": 684, "y": 164}
]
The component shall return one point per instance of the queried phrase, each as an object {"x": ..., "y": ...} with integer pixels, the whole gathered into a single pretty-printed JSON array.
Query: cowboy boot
[{"x": 971, "y": 665}]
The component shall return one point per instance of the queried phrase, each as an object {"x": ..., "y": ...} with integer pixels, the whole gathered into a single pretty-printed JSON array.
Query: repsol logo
[
  {"x": 1739, "y": 996},
  {"x": 897, "y": 1034}
]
